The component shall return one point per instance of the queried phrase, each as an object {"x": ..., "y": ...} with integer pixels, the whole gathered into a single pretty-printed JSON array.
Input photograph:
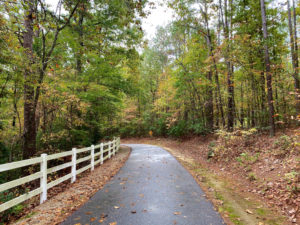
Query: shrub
[
  {"x": 179, "y": 129},
  {"x": 4, "y": 156},
  {"x": 160, "y": 127},
  {"x": 198, "y": 128},
  {"x": 211, "y": 150},
  {"x": 247, "y": 158},
  {"x": 284, "y": 142},
  {"x": 7, "y": 196}
]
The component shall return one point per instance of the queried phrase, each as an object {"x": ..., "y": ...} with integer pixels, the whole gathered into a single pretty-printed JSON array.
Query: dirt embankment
[{"x": 251, "y": 177}]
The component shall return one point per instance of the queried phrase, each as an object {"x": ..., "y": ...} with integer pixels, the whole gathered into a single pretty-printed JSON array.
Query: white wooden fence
[{"x": 110, "y": 148}]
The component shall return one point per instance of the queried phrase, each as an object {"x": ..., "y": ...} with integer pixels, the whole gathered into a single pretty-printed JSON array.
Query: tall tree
[
  {"x": 294, "y": 52},
  {"x": 268, "y": 68},
  {"x": 29, "y": 77},
  {"x": 35, "y": 68},
  {"x": 296, "y": 76},
  {"x": 226, "y": 15},
  {"x": 209, "y": 106}
]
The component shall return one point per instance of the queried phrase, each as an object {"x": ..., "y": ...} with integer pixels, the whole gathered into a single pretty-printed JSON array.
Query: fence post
[
  {"x": 43, "y": 179},
  {"x": 109, "y": 149},
  {"x": 114, "y": 146},
  {"x": 101, "y": 155},
  {"x": 118, "y": 143},
  {"x": 93, "y": 157},
  {"x": 73, "y": 179}
]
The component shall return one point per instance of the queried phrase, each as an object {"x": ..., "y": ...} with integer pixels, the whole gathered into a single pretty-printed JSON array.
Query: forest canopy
[
  {"x": 65, "y": 72},
  {"x": 82, "y": 71},
  {"x": 219, "y": 65}
]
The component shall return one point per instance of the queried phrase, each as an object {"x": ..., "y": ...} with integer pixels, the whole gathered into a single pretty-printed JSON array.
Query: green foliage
[
  {"x": 88, "y": 80},
  {"x": 133, "y": 128},
  {"x": 160, "y": 127},
  {"x": 198, "y": 128},
  {"x": 184, "y": 70},
  {"x": 291, "y": 176},
  {"x": 4, "y": 156},
  {"x": 78, "y": 74},
  {"x": 246, "y": 158},
  {"x": 179, "y": 129},
  {"x": 4, "y": 153},
  {"x": 211, "y": 150},
  {"x": 14, "y": 211}
]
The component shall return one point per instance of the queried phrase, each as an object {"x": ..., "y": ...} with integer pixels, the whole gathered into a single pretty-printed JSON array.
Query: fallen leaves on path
[{"x": 103, "y": 218}]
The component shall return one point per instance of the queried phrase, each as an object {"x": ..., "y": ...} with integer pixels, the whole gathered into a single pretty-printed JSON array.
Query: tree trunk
[
  {"x": 211, "y": 50},
  {"x": 29, "y": 148},
  {"x": 230, "y": 84},
  {"x": 80, "y": 38},
  {"x": 252, "y": 124},
  {"x": 210, "y": 105},
  {"x": 263, "y": 99},
  {"x": 231, "y": 105},
  {"x": 268, "y": 68},
  {"x": 242, "y": 106},
  {"x": 294, "y": 52},
  {"x": 219, "y": 97},
  {"x": 296, "y": 77}
]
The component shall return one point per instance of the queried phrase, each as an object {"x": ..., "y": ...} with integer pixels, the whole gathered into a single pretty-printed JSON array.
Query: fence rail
[{"x": 109, "y": 148}]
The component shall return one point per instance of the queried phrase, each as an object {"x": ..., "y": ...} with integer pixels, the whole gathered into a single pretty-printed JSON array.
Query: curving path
[{"x": 152, "y": 188}]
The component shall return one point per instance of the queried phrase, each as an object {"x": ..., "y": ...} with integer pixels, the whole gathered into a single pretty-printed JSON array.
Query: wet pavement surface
[{"x": 152, "y": 188}]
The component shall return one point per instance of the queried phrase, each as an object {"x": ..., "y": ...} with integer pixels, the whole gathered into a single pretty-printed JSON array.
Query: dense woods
[
  {"x": 220, "y": 65},
  {"x": 65, "y": 70},
  {"x": 80, "y": 71}
]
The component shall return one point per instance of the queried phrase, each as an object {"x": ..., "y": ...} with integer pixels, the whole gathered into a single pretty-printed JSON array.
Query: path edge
[
  {"x": 215, "y": 196},
  {"x": 35, "y": 212}
]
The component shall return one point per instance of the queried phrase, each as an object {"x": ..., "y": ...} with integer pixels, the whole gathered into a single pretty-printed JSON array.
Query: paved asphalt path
[{"x": 151, "y": 189}]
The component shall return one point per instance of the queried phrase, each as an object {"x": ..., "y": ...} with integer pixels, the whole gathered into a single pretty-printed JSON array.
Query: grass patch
[
  {"x": 261, "y": 212},
  {"x": 227, "y": 209},
  {"x": 30, "y": 214}
]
